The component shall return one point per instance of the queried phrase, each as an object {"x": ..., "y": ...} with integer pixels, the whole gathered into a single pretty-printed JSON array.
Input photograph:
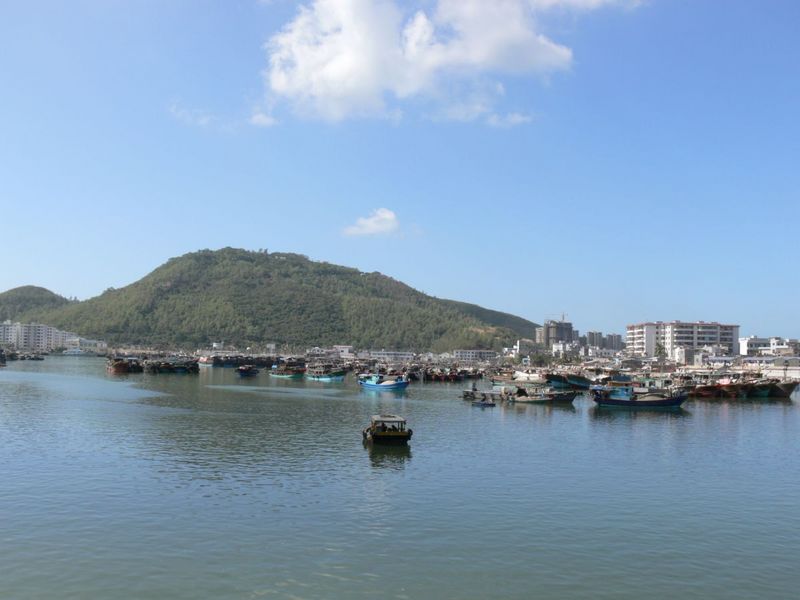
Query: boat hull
[
  {"x": 670, "y": 402},
  {"x": 395, "y": 385}
]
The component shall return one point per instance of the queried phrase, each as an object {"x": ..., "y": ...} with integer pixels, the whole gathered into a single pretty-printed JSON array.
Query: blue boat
[
  {"x": 626, "y": 397},
  {"x": 382, "y": 382}
]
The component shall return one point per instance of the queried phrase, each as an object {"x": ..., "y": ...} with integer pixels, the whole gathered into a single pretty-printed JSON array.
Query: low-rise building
[
  {"x": 662, "y": 338},
  {"x": 474, "y": 356}
]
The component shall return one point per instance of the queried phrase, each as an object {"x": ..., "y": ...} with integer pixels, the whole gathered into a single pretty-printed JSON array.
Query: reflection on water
[
  {"x": 640, "y": 414},
  {"x": 388, "y": 456}
]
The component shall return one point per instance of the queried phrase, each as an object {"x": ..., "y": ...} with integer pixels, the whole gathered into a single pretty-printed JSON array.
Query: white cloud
[
  {"x": 191, "y": 116},
  {"x": 261, "y": 119},
  {"x": 509, "y": 120},
  {"x": 363, "y": 58},
  {"x": 380, "y": 222}
]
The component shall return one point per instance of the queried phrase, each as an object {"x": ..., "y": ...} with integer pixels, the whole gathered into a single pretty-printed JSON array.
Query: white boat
[{"x": 77, "y": 352}]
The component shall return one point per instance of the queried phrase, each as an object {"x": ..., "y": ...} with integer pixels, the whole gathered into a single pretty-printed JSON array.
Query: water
[{"x": 178, "y": 486}]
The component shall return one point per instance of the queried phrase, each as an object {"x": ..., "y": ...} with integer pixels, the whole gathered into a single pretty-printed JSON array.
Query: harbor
[{"x": 264, "y": 487}]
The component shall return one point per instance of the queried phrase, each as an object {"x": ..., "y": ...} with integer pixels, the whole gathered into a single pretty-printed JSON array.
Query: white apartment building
[
  {"x": 473, "y": 356},
  {"x": 391, "y": 356},
  {"x": 33, "y": 336},
  {"x": 773, "y": 346},
  {"x": 645, "y": 339}
]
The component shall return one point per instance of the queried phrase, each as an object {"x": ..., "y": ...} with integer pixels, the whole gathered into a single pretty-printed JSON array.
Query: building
[
  {"x": 752, "y": 345},
  {"x": 662, "y": 338},
  {"x": 773, "y": 346},
  {"x": 474, "y": 356},
  {"x": 557, "y": 331},
  {"x": 390, "y": 356},
  {"x": 595, "y": 339},
  {"x": 35, "y": 337},
  {"x": 614, "y": 342}
]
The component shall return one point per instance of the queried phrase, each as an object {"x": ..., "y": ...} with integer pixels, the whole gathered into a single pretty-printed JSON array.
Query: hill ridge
[{"x": 249, "y": 298}]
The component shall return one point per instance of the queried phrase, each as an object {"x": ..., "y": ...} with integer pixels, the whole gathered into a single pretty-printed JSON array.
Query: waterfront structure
[{"x": 662, "y": 338}]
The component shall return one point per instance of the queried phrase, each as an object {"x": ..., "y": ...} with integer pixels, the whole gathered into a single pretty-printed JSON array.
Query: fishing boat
[
  {"x": 371, "y": 381},
  {"x": 579, "y": 381},
  {"x": 784, "y": 389},
  {"x": 247, "y": 371},
  {"x": 557, "y": 380},
  {"x": 387, "y": 429},
  {"x": 325, "y": 373},
  {"x": 760, "y": 388},
  {"x": 625, "y": 397},
  {"x": 121, "y": 365},
  {"x": 284, "y": 372},
  {"x": 541, "y": 396},
  {"x": 529, "y": 376}
]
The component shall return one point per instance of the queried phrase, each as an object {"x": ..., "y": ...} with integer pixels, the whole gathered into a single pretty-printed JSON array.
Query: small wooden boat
[{"x": 387, "y": 429}]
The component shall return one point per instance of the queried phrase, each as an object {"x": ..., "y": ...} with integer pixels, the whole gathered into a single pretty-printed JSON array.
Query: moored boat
[
  {"x": 784, "y": 389},
  {"x": 284, "y": 372},
  {"x": 625, "y": 397},
  {"x": 247, "y": 371},
  {"x": 326, "y": 373},
  {"x": 557, "y": 380},
  {"x": 382, "y": 382},
  {"x": 387, "y": 429}
]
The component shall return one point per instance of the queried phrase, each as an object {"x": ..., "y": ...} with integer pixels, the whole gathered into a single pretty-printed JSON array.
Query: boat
[
  {"x": 579, "y": 381},
  {"x": 77, "y": 352},
  {"x": 625, "y": 397},
  {"x": 557, "y": 380},
  {"x": 484, "y": 403},
  {"x": 371, "y": 381},
  {"x": 325, "y": 373},
  {"x": 784, "y": 389},
  {"x": 542, "y": 396},
  {"x": 387, "y": 429},
  {"x": 760, "y": 388},
  {"x": 121, "y": 365},
  {"x": 247, "y": 371},
  {"x": 284, "y": 372},
  {"x": 529, "y": 377}
]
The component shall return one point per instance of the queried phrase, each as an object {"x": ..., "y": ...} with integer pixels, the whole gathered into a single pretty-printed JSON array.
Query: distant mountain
[
  {"x": 250, "y": 298},
  {"x": 28, "y": 298}
]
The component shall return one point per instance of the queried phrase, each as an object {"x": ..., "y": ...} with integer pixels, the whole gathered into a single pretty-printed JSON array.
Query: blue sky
[{"x": 618, "y": 161}]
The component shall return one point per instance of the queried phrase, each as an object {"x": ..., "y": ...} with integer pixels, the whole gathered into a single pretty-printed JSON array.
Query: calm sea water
[{"x": 176, "y": 486}]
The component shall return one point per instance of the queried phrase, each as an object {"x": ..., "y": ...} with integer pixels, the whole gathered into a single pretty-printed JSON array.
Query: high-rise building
[
  {"x": 594, "y": 338},
  {"x": 557, "y": 331}
]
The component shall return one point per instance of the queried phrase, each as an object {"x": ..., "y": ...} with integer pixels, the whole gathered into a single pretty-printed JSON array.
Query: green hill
[
  {"x": 250, "y": 298},
  {"x": 28, "y": 298}
]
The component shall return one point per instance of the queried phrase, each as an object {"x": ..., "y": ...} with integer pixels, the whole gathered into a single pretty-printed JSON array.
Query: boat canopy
[{"x": 387, "y": 419}]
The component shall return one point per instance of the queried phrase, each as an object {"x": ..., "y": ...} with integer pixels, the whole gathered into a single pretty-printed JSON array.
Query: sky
[{"x": 616, "y": 161}]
